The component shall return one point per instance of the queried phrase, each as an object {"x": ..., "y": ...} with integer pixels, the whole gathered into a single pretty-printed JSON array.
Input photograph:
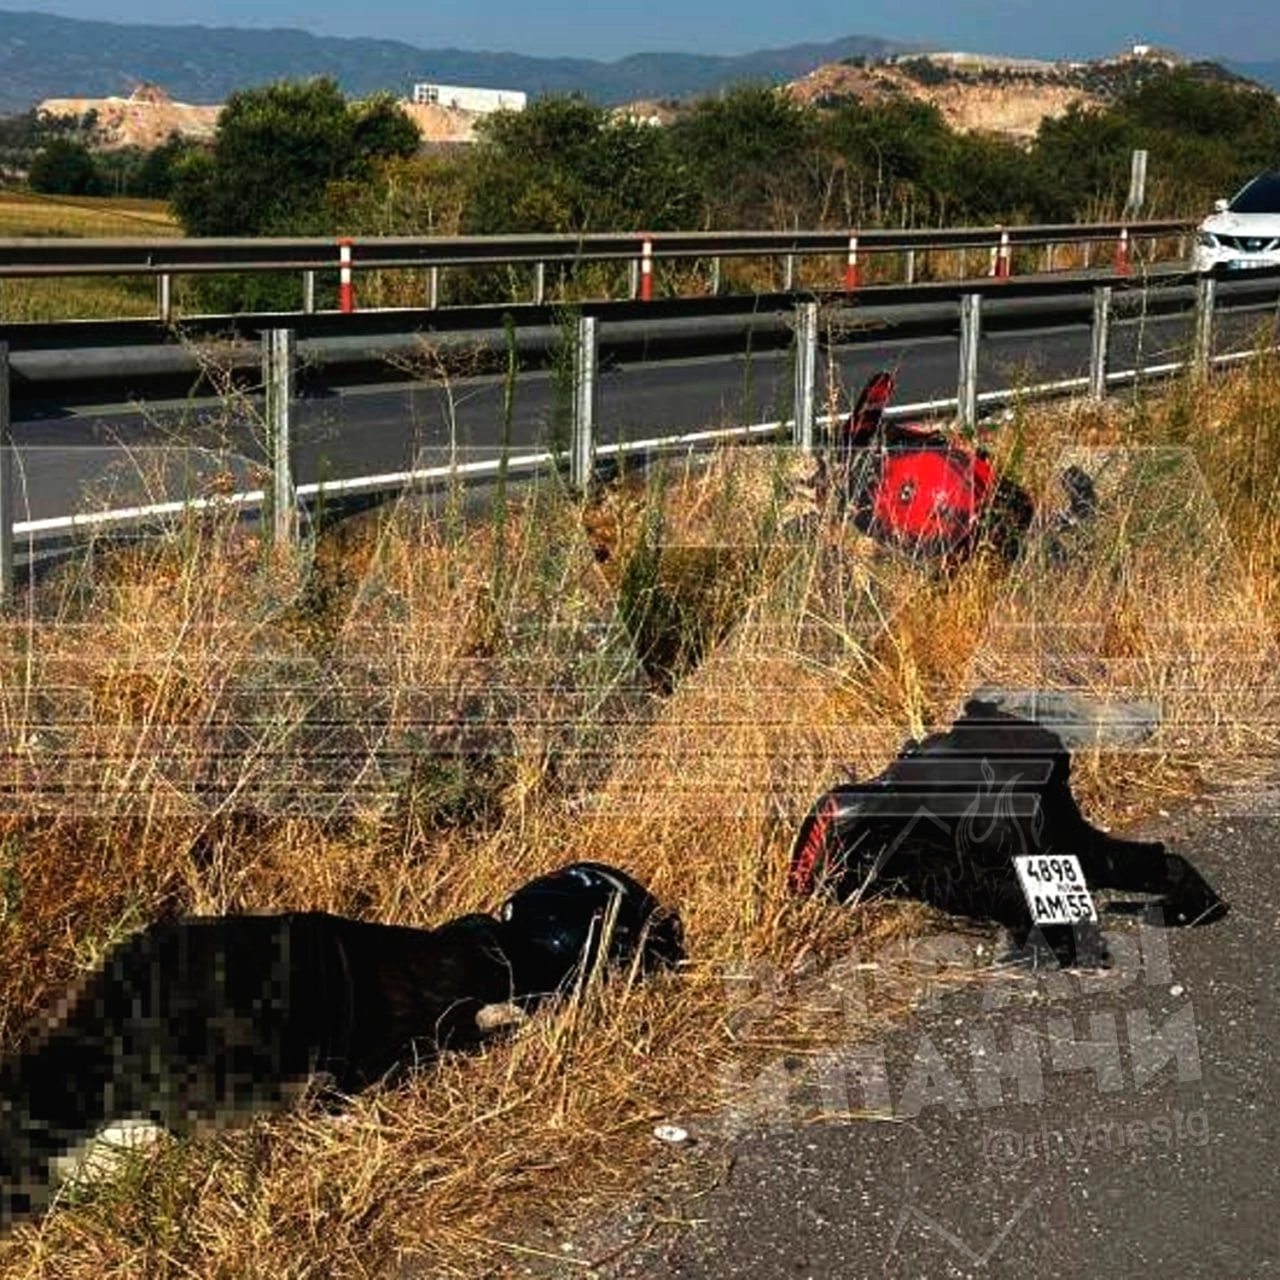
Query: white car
[{"x": 1245, "y": 231}]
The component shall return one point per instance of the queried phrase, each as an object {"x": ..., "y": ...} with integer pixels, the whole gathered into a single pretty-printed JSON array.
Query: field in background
[
  {"x": 83, "y": 298},
  {"x": 663, "y": 677},
  {"x": 27, "y": 213}
]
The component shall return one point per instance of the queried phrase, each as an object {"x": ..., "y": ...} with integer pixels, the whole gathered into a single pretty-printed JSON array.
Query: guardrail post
[
  {"x": 309, "y": 292},
  {"x": 278, "y": 350},
  {"x": 715, "y": 277},
  {"x": 7, "y": 567},
  {"x": 582, "y": 446},
  {"x": 970, "y": 331},
  {"x": 910, "y": 269},
  {"x": 164, "y": 297},
  {"x": 1050, "y": 251},
  {"x": 1100, "y": 343},
  {"x": 1206, "y": 295},
  {"x": 433, "y": 288},
  {"x": 539, "y": 284},
  {"x": 789, "y": 273},
  {"x": 806, "y": 347}
]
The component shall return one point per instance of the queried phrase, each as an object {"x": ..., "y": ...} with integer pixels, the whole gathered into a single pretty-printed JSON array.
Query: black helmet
[{"x": 561, "y": 918}]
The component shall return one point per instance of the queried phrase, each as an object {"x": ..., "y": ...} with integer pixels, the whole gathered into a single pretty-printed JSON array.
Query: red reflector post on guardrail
[
  {"x": 1121, "y": 263},
  {"x": 851, "y": 266},
  {"x": 346, "y": 289},
  {"x": 1001, "y": 258},
  {"x": 646, "y": 269}
]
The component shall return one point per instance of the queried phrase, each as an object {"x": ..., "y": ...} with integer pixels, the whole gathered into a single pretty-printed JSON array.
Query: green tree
[
  {"x": 275, "y": 151},
  {"x": 748, "y": 154},
  {"x": 563, "y": 165},
  {"x": 1082, "y": 159},
  {"x": 423, "y": 195},
  {"x": 1206, "y": 136},
  {"x": 21, "y": 137},
  {"x": 992, "y": 180},
  {"x": 1185, "y": 102},
  {"x": 156, "y": 173},
  {"x": 116, "y": 169},
  {"x": 899, "y": 158},
  {"x": 380, "y": 130},
  {"x": 65, "y": 167}
]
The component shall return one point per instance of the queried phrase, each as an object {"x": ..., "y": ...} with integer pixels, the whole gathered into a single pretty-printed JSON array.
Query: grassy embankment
[{"x": 788, "y": 657}]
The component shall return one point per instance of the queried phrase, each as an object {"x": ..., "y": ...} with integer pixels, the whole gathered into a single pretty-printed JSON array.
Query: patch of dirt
[{"x": 442, "y": 124}]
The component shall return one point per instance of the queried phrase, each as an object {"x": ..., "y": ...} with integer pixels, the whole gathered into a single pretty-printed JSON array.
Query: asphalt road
[
  {"x": 108, "y": 456},
  {"x": 1130, "y": 1129}
]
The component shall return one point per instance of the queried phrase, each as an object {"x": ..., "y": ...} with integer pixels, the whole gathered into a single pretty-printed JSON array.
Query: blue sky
[{"x": 1243, "y": 29}]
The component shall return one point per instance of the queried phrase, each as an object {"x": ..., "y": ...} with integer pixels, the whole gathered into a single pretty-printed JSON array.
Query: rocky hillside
[
  {"x": 144, "y": 119},
  {"x": 148, "y": 116},
  {"x": 1004, "y": 96}
]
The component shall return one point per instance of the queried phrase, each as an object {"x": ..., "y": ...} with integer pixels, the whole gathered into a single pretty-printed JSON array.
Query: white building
[{"x": 460, "y": 98}]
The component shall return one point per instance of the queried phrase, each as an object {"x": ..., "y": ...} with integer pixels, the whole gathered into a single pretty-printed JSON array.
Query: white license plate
[
  {"x": 1246, "y": 264},
  {"x": 1054, "y": 887}
]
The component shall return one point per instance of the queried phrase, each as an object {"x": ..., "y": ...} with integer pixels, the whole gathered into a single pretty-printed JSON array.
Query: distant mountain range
[{"x": 42, "y": 56}]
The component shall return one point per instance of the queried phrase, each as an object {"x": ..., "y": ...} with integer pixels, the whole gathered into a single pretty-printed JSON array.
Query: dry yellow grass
[
  {"x": 71, "y": 298},
  {"x": 788, "y": 657},
  {"x": 28, "y": 213}
]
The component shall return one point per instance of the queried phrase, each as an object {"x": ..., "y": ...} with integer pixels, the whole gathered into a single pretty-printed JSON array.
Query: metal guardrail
[
  {"x": 80, "y": 358},
  {"x": 276, "y": 352},
  {"x": 165, "y": 258},
  {"x": 34, "y": 257}
]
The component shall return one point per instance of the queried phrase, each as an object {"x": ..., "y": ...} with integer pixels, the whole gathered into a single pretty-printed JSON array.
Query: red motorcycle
[{"x": 925, "y": 492}]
